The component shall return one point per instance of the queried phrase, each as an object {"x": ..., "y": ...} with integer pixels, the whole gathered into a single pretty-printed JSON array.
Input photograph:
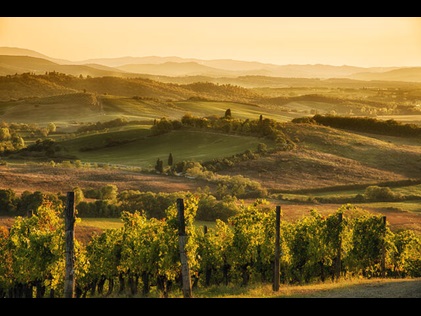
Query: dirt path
[{"x": 400, "y": 288}]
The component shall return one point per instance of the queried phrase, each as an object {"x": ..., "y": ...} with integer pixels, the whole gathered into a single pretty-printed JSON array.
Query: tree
[
  {"x": 79, "y": 196},
  {"x": 51, "y": 127},
  {"x": 8, "y": 201},
  {"x": 18, "y": 142},
  {"x": 109, "y": 192},
  {"x": 170, "y": 160},
  {"x": 4, "y": 134},
  {"x": 159, "y": 166}
]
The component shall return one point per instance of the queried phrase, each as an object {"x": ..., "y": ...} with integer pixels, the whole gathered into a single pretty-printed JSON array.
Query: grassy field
[
  {"x": 238, "y": 110},
  {"x": 112, "y": 223},
  {"x": 67, "y": 110},
  {"x": 405, "y": 190},
  {"x": 140, "y": 150},
  {"x": 101, "y": 223},
  {"x": 406, "y": 119}
]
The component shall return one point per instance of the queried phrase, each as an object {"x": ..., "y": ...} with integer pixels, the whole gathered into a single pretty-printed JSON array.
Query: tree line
[{"x": 364, "y": 124}]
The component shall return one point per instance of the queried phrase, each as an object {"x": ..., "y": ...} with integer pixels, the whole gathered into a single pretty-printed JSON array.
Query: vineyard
[{"x": 142, "y": 259}]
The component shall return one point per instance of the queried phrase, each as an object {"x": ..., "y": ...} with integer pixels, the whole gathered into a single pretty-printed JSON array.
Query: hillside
[
  {"x": 410, "y": 74},
  {"x": 17, "y": 87},
  {"x": 328, "y": 157},
  {"x": 138, "y": 148},
  {"x": 174, "y": 66},
  {"x": 11, "y": 65},
  {"x": 148, "y": 98},
  {"x": 63, "y": 109},
  {"x": 174, "y": 69},
  {"x": 16, "y": 51},
  {"x": 39, "y": 101},
  {"x": 29, "y": 85},
  {"x": 322, "y": 157}
]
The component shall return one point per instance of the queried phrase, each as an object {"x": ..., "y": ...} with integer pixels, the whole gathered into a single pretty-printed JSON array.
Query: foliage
[
  {"x": 384, "y": 194},
  {"x": 145, "y": 251},
  {"x": 368, "y": 124}
]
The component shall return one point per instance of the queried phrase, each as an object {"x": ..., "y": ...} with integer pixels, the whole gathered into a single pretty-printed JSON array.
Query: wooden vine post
[
  {"x": 338, "y": 250},
  {"x": 383, "y": 260},
  {"x": 276, "y": 278},
  {"x": 69, "y": 222},
  {"x": 185, "y": 270}
]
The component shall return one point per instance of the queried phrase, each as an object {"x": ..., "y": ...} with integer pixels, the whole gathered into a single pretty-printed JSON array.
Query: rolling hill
[
  {"x": 15, "y": 51},
  {"x": 323, "y": 156},
  {"x": 174, "y": 69},
  {"x": 147, "y": 99},
  {"x": 10, "y": 65},
  {"x": 136, "y": 147},
  {"x": 329, "y": 157},
  {"x": 408, "y": 74},
  {"x": 176, "y": 66},
  {"x": 75, "y": 108}
]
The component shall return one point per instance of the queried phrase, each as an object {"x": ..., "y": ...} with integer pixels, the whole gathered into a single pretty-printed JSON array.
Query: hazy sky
[{"x": 355, "y": 41}]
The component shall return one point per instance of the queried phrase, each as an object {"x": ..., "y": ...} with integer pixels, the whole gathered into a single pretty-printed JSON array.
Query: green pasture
[
  {"x": 115, "y": 223},
  {"x": 238, "y": 110},
  {"x": 61, "y": 110},
  {"x": 412, "y": 190},
  {"x": 147, "y": 109},
  {"x": 320, "y": 107},
  {"x": 138, "y": 148},
  {"x": 405, "y": 119},
  {"x": 135, "y": 109},
  {"x": 406, "y": 191},
  {"x": 102, "y": 223},
  {"x": 74, "y": 109},
  {"x": 405, "y": 206}
]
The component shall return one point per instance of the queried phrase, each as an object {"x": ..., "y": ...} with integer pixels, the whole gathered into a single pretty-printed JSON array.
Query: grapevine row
[{"x": 143, "y": 256}]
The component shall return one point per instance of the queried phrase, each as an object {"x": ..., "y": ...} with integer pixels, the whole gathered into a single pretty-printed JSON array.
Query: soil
[
  {"x": 48, "y": 179},
  {"x": 379, "y": 288}
]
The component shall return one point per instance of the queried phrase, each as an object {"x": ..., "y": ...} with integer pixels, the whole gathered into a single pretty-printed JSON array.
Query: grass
[
  {"x": 66, "y": 110},
  {"x": 368, "y": 150},
  {"x": 412, "y": 191},
  {"x": 265, "y": 290},
  {"x": 111, "y": 223},
  {"x": 238, "y": 110},
  {"x": 406, "y": 119},
  {"x": 343, "y": 288},
  {"x": 102, "y": 223},
  {"x": 61, "y": 109},
  {"x": 406, "y": 206},
  {"x": 143, "y": 151}
]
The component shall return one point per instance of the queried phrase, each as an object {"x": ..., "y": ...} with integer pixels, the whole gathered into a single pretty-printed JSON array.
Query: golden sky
[{"x": 354, "y": 41}]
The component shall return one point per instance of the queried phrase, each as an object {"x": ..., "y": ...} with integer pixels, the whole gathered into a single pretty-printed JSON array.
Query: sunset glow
[{"x": 356, "y": 41}]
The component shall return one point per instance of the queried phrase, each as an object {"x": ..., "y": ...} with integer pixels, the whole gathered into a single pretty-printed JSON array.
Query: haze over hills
[
  {"x": 30, "y": 61},
  {"x": 178, "y": 69},
  {"x": 10, "y": 65},
  {"x": 14, "y": 51},
  {"x": 411, "y": 74}
]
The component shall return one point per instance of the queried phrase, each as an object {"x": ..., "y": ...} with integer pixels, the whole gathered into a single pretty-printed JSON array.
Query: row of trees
[
  {"x": 261, "y": 127},
  {"x": 143, "y": 255},
  {"x": 108, "y": 202},
  {"x": 364, "y": 124}
]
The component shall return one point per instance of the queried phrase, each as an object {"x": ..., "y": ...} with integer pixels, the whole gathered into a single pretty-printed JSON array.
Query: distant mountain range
[{"x": 19, "y": 60}]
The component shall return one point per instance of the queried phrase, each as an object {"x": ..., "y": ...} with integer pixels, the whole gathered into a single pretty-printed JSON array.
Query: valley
[{"x": 111, "y": 126}]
